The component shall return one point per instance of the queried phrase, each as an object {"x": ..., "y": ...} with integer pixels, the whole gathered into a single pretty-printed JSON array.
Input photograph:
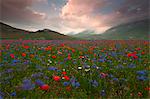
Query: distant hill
[
  {"x": 132, "y": 30},
  {"x": 9, "y": 32},
  {"x": 83, "y": 34}
]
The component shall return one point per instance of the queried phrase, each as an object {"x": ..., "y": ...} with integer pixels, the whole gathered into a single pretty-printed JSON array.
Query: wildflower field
[{"x": 45, "y": 69}]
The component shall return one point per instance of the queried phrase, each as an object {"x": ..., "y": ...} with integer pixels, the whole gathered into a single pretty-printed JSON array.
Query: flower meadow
[{"x": 44, "y": 69}]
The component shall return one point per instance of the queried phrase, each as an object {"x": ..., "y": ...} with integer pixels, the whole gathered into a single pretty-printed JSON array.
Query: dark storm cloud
[
  {"x": 133, "y": 10},
  {"x": 18, "y": 11}
]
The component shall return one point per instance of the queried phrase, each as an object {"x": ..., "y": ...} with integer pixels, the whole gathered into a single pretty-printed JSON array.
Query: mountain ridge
[
  {"x": 10, "y": 32},
  {"x": 132, "y": 30}
]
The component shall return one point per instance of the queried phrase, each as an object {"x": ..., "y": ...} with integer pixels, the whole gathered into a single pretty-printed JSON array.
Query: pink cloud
[{"x": 80, "y": 14}]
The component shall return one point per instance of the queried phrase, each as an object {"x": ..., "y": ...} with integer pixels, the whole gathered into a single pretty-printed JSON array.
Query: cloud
[
  {"x": 87, "y": 14},
  {"x": 19, "y": 11},
  {"x": 79, "y": 14},
  {"x": 75, "y": 16}
]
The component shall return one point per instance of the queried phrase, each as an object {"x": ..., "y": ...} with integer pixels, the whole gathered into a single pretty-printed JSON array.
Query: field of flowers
[{"x": 74, "y": 69}]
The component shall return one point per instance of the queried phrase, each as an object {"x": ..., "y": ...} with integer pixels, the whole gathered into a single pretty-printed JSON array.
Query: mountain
[
  {"x": 9, "y": 32},
  {"x": 133, "y": 30},
  {"x": 83, "y": 34}
]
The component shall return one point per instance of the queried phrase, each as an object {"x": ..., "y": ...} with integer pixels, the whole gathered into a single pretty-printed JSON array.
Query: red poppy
[
  {"x": 81, "y": 56},
  {"x": 143, "y": 53},
  {"x": 108, "y": 56},
  {"x": 45, "y": 87},
  {"x": 64, "y": 73},
  {"x": 69, "y": 54},
  {"x": 147, "y": 88},
  {"x": 129, "y": 54},
  {"x": 53, "y": 56},
  {"x": 56, "y": 78},
  {"x": 12, "y": 55},
  {"x": 132, "y": 55},
  {"x": 69, "y": 58},
  {"x": 62, "y": 45},
  {"x": 135, "y": 57},
  {"x": 134, "y": 52},
  {"x": 23, "y": 54},
  {"x": 48, "y": 48},
  {"x": 145, "y": 43},
  {"x": 66, "y": 78},
  {"x": 104, "y": 48},
  {"x": 73, "y": 50},
  {"x": 138, "y": 49},
  {"x": 26, "y": 47},
  {"x": 7, "y": 47}
]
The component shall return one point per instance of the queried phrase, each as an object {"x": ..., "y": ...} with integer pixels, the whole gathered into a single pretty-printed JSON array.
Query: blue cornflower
[
  {"x": 39, "y": 82},
  {"x": 26, "y": 81},
  {"x": 115, "y": 79},
  {"x": 27, "y": 85},
  {"x": 52, "y": 68},
  {"x": 86, "y": 66},
  {"x": 74, "y": 83},
  {"x": 131, "y": 66},
  {"x": 1, "y": 94},
  {"x": 94, "y": 83},
  {"x": 142, "y": 78},
  {"x": 101, "y": 60},
  {"x": 113, "y": 54},
  {"x": 9, "y": 70},
  {"x": 142, "y": 72},
  {"x": 73, "y": 79},
  {"x": 119, "y": 67},
  {"x": 13, "y": 94},
  {"x": 46, "y": 77},
  {"x": 1, "y": 97},
  {"x": 94, "y": 66},
  {"x": 66, "y": 83},
  {"x": 37, "y": 75},
  {"x": 77, "y": 84},
  {"x": 14, "y": 61}
]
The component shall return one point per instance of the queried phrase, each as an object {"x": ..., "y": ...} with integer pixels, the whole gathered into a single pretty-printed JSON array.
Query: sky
[{"x": 71, "y": 16}]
